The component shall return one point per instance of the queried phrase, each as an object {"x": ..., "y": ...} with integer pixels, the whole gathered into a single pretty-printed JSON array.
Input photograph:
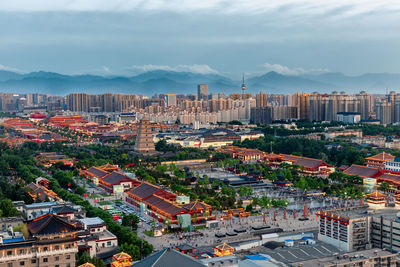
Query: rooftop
[
  {"x": 92, "y": 221},
  {"x": 352, "y": 257}
]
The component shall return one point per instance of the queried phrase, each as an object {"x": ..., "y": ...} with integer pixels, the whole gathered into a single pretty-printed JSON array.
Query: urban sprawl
[{"x": 200, "y": 180}]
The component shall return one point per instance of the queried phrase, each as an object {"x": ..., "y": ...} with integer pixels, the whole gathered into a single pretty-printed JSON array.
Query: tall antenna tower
[{"x": 243, "y": 86}]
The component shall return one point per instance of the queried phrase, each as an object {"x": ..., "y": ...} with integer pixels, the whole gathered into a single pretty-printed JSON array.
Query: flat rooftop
[
  {"x": 363, "y": 211},
  {"x": 302, "y": 252},
  {"x": 352, "y": 257}
]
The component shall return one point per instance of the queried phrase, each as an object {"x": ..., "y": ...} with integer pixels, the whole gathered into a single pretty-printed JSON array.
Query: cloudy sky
[{"x": 228, "y": 37}]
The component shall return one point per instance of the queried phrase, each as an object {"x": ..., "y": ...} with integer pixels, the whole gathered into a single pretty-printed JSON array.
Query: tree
[
  {"x": 384, "y": 186},
  {"x": 131, "y": 249},
  {"x": 130, "y": 220},
  {"x": 7, "y": 208}
]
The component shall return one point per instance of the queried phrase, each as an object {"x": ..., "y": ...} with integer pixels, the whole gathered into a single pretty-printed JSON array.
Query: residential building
[
  {"x": 202, "y": 92},
  {"x": 50, "y": 242}
]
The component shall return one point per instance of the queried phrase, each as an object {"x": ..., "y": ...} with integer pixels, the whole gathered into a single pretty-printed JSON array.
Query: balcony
[
  {"x": 57, "y": 251},
  {"x": 31, "y": 255},
  {"x": 17, "y": 257}
]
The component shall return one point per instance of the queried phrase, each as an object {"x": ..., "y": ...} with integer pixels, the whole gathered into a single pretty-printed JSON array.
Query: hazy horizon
[{"x": 212, "y": 36}]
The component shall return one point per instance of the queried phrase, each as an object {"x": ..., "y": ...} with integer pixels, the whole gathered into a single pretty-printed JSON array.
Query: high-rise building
[
  {"x": 365, "y": 104},
  {"x": 170, "y": 100},
  {"x": 144, "y": 143},
  {"x": 268, "y": 114},
  {"x": 384, "y": 111},
  {"x": 108, "y": 102},
  {"x": 302, "y": 102},
  {"x": 202, "y": 92},
  {"x": 78, "y": 102}
]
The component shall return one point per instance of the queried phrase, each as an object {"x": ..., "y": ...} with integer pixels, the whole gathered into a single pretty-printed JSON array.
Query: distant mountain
[
  {"x": 159, "y": 81},
  {"x": 277, "y": 83},
  {"x": 7, "y": 75}
]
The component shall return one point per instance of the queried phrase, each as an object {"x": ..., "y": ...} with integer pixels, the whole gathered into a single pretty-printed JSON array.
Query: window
[
  {"x": 57, "y": 258},
  {"x": 33, "y": 261},
  {"x": 56, "y": 265},
  {"x": 21, "y": 251},
  {"x": 22, "y": 263},
  {"x": 68, "y": 265},
  {"x": 109, "y": 243},
  {"x": 9, "y": 252},
  {"x": 45, "y": 259},
  {"x": 68, "y": 257},
  {"x": 9, "y": 265}
]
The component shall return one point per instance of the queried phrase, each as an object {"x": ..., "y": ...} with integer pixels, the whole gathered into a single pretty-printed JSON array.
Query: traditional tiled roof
[
  {"x": 169, "y": 258},
  {"x": 224, "y": 246},
  {"x": 390, "y": 177},
  {"x": 115, "y": 178},
  {"x": 50, "y": 224},
  {"x": 122, "y": 256},
  {"x": 376, "y": 195},
  {"x": 196, "y": 205},
  {"x": 303, "y": 161},
  {"x": 362, "y": 171},
  {"x": 144, "y": 190},
  {"x": 163, "y": 205},
  {"x": 87, "y": 265},
  {"x": 35, "y": 189},
  {"x": 96, "y": 172},
  {"x": 384, "y": 156},
  {"x": 64, "y": 209}
]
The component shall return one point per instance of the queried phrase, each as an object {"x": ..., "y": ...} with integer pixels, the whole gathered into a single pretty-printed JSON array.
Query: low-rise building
[
  {"x": 117, "y": 183},
  {"x": 96, "y": 239},
  {"x": 49, "y": 242},
  {"x": 366, "y": 258},
  {"x": 347, "y": 228},
  {"x": 349, "y": 117}
]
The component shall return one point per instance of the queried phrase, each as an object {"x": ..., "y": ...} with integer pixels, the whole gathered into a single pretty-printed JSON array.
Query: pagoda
[
  {"x": 376, "y": 200},
  {"x": 144, "y": 143},
  {"x": 223, "y": 250},
  {"x": 121, "y": 259}
]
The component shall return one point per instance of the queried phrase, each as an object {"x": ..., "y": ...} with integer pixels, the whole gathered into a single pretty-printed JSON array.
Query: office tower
[
  {"x": 202, "y": 92},
  {"x": 170, "y": 100},
  {"x": 144, "y": 143},
  {"x": 384, "y": 111}
]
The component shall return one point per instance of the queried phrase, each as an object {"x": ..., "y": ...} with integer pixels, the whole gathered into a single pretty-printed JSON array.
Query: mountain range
[{"x": 161, "y": 82}]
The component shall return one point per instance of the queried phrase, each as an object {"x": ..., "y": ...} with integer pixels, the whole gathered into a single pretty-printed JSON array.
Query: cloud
[
  {"x": 219, "y": 6},
  {"x": 106, "y": 69},
  {"x": 6, "y": 68},
  {"x": 285, "y": 70},
  {"x": 201, "y": 69}
]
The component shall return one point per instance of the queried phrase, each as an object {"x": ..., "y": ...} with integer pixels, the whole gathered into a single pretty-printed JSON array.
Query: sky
[{"x": 227, "y": 37}]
